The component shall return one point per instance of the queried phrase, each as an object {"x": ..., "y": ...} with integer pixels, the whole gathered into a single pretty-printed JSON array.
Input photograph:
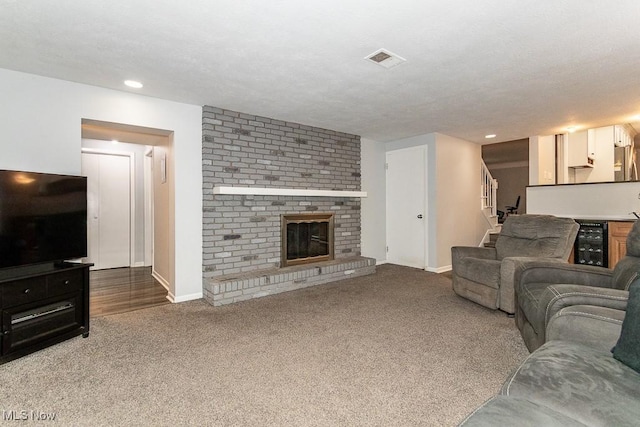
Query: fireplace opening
[{"x": 306, "y": 238}]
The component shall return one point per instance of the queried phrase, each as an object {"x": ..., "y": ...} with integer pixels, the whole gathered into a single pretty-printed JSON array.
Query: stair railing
[{"x": 488, "y": 191}]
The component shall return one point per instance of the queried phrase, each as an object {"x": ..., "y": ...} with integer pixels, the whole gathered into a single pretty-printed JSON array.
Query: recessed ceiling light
[
  {"x": 571, "y": 129},
  {"x": 134, "y": 84},
  {"x": 491, "y": 135},
  {"x": 115, "y": 141},
  {"x": 22, "y": 179}
]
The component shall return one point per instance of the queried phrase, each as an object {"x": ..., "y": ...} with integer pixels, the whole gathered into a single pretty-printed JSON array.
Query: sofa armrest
[
  {"x": 459, "y": 252},
  {"x": 556, "y": 297},
  {"x": 510, "y": 271},
  {"x": 554, "y": 272},
  {"x": 597, "y": 327}
]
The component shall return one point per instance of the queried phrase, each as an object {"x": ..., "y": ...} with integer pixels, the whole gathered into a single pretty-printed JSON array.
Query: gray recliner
[
  {"x": 575, "y": 302},
  {"x": 486, "y": 275}
]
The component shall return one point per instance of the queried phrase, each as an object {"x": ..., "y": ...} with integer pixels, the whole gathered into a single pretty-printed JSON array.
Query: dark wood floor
[{"x": 119, "y": 290}]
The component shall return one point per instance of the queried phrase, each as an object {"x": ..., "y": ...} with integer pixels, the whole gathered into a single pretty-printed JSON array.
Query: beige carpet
[{"x": 395, "y": 348}]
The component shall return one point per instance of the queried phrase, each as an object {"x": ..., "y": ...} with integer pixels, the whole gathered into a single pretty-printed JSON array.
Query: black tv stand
[{"x": 42, "y": 305}]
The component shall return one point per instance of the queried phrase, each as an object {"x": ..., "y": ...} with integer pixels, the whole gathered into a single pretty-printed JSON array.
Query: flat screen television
[{"x": 43, "y": 218}]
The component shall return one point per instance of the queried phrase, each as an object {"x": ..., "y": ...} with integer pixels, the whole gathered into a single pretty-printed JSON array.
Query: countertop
[{"x": 629, "y": 218}]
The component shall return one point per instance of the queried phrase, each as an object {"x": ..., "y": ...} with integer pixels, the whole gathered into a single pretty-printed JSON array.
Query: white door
[
  {"x": 406, "y": 208},
  {"x": 109, "y": 210}
]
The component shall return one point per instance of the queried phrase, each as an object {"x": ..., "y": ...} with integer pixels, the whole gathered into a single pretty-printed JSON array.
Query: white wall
[
  {"x": 413, "y": 141},
  {"x": 613, "y": 200},
  {"x": 459, "y": 220},
  {"x": 41, "y": 118},
  {"x": 163, "y": 250},
  {"x": 542, "y": 160},
  {"x": 372, "y": 154}
]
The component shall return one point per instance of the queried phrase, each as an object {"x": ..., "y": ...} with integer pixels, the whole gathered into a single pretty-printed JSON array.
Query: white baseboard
[
  {"x": 138, "y": 264},
  {"x": 429, "y": 269},
  {"x": 439, "y": 269},
  {"x": 161, "y": 280},
  {"x": 183, "y": 298},
  {"x": 170, "y": 296}
]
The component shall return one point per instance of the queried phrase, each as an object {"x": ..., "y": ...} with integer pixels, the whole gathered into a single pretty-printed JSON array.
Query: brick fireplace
[{"x": 251, "y": 167}]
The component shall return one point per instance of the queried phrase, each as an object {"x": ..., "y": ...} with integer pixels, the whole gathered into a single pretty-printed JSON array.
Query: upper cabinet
[
  {"x": 623, "y": 135},
  {"x": 581, "y": 149},
  {"x": 599, "y": 149}
]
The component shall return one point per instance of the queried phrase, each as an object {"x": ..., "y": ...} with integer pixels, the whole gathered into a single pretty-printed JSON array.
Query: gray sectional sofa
[
  {"x": 582, "y": 325},
  {"x": 565, "y": 383}
]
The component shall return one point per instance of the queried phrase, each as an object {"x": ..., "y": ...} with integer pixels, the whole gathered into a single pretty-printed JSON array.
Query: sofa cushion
[
  {"x": 535, "y": 236},
  {"x": 580, "y": 382},
  {"x": 541, "y": 247},
  {"x": 627, "y": 350},
  {"x": 485, "y": 271},
  {"x": 508, "y": 411}
]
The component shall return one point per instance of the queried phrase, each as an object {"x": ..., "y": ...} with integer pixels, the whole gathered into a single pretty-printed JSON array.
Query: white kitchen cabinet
[
  {"x": 581, "y": 151},
  {"x": 604, "y": 137},
  {"x": 623, "y": 135},
  {"x": 600, "y": 150},
  {"x": 592, "y": 143}
]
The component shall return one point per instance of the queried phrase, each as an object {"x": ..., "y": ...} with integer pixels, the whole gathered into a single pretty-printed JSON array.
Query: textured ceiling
[{"x": 473, "y": 67}]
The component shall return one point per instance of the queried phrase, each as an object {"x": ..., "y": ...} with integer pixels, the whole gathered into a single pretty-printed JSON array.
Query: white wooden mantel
[{"x": 261, "y": 191}]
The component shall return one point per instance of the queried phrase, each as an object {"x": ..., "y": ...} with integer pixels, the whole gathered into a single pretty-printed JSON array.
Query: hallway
[{"x": 120, "y": 290}]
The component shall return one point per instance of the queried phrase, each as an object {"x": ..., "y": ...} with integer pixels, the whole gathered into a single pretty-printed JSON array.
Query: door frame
[
  {"x": 132, "y": 194},
  {"x": 148, "y": 206},
  {"x": 425, "y": 242}
]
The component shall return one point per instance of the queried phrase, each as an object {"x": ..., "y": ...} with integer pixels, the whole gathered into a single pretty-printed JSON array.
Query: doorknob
[{"x": 420, "y": 216}]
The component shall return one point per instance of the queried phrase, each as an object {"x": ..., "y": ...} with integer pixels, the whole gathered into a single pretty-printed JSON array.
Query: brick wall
[{"x": 242, "y": 233}]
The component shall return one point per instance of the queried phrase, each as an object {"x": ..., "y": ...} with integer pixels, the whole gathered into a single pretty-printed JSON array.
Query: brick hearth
[{"x": 241, "y": 287}]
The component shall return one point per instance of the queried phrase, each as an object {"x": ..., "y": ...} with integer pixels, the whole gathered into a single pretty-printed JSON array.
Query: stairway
[
  {"x": 488, "y": 194},
  {"x": 488, "y": 199},
  {"x": 491, "y": 243}
]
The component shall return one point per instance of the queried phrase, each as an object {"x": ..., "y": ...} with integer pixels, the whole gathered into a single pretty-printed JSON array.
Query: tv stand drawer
[
  {"x": 24, "y": 291},
  {"x": 64, "y": 282}
]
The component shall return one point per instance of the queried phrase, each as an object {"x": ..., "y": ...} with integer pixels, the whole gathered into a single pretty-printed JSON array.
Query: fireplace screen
[{"x": 306, "y": 238}]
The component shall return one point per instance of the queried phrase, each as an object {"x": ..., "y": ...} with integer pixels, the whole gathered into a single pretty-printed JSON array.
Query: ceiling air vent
[{"x": 385, "y": 59}]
